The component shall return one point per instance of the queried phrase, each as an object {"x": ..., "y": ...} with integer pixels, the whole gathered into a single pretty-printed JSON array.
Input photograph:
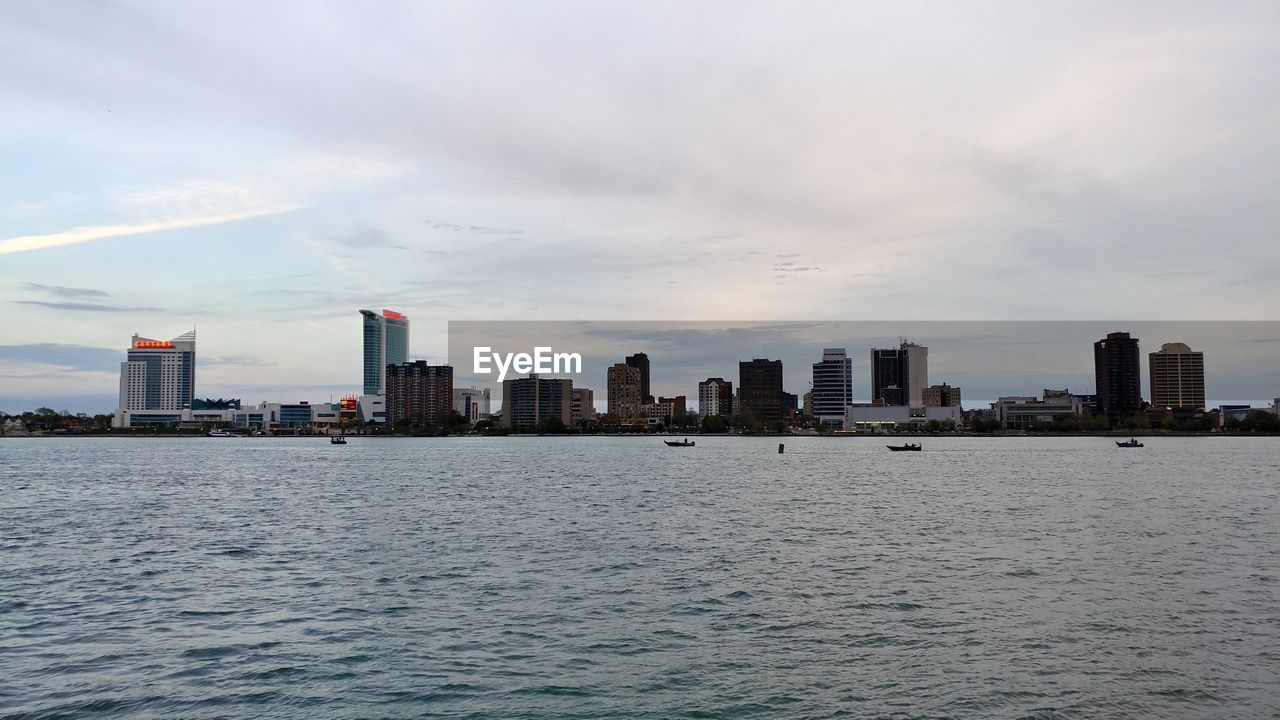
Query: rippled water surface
[{"x": 613, "y": 577}]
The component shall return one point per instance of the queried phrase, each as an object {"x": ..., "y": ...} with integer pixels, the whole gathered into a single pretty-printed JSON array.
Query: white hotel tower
[{"x": 159, "y": 374}]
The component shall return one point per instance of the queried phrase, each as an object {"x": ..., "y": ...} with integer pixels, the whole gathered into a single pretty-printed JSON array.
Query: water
[{"x": 613, "y": 577}]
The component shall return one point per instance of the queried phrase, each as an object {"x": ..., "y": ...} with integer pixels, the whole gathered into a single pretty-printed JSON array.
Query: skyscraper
[
  {"x": 624, "y": 391},
  {"x": 386, "y": 342},
  {"x": 1119, "y": 376},
  {"x": 526, "y": 402},
  {"x": 900, "y": 375},
  {"x": 419, "y": 394},
  {"x": 159, "y": 374},
  {"x": 640, "y": 361},
  {"x": 715, "y": 397},
  {"x": 1177, "y": 377},
  {"x": 832, "y": 386},
  {"x": 760, "y": 388}
]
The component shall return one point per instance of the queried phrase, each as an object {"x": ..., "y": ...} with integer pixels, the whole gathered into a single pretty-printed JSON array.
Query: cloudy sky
[{"x": 262, "y": 170}]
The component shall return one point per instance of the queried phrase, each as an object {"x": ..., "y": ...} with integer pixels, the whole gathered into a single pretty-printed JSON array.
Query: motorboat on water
[
  {"x": 337, "y": 440},
  {"x": 909, "y": 447},
  {"x": 222, "y": 432},
  {"x": 678, "y": 443},
  {"x": 1131, "y": 442}
]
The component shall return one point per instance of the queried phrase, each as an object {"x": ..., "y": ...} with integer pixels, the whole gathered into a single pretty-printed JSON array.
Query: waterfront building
[
  {"x": 526, "y": 402},
  {"x": 211, "y": 404},
  {"x": 625, "y": 392},
  {"x": 386, "y": 342},
  {"x": 640, "y": 361},
  {"x": 760, "y": 388},
  {"x": 582, "y": 406},
  {"x": 679, "y": 404},
  {"x": 372, "y": 409},
  {"x": 419, "y": 394},
  {"x": 159, "y": 374},
  {"x": 1176, "y": 374},
  {"x": 942, "y": 395},
  {"x": 1119, "y": 377},
  {"x": 658, "y": 413},
  {"x": 877, "y": 417},
  {"x": 472, "y": 403},
  {"x": 1019, "y": 412},
  {"x": 900, "y": 375},
  {"x": 715, "y": 397},
  {"x": 832, "y": 387}
]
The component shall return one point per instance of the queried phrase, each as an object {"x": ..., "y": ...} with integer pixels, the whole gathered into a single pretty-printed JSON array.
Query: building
[
  {"x": 219, "y": 404},
  {"x": 679, "y": 404},
  {"x": 658, "y": 413},
  {"x": 1117, "y": 368},
  {"x": 372, "y": 409},
  {"x": 832, "y": 387},
  {"x": 942, "y": 395},
  {"x": 1020, "y": 412},
  {"x": 625, "y": 392},
  {"x": 582, "y": 406},
  {"x": 877, "y": 417},
  {"x": 760, "y": 389},
  {"x": 472, "y": 403},
  {"x": 386, "y": 342},
  {"x": 419, "y": 394},
  {"x": 1176, "y": 374},
  {"x": 900, "y": 375},
  {"x": 715, "y": 397},
  {"x": 158, "y": 374},
  {"x": 527, "y": 402},
  {"x": 640, "y": 361}
]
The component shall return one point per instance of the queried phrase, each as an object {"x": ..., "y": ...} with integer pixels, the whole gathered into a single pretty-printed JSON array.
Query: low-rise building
[
  {"x": 582, "y": 406},
  {"x": 1019, "y": 412},
  {"x": 878, "y": 417},
  {"x": 472, "y": 403}
]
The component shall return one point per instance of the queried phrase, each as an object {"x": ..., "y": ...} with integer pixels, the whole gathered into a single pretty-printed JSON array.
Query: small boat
[
  {"x": 1132, "y": 442},
  {"x": 221, "y": 432},
  {"x": 914, "y": 447},
  {"x": 337, "y": 440},
  {"x": 677, "y": 443}
]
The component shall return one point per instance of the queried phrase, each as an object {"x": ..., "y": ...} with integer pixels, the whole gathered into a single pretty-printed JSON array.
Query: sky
[{"x": 261, "y": 171}]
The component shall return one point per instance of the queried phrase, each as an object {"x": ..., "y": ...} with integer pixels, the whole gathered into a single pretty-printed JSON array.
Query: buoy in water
[{"x": 780, "y": 448}]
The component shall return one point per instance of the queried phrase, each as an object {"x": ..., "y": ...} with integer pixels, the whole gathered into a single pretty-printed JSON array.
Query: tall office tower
[
  {"x": 526, "y": 402},
  {"x": 900, "y": 375},
  {"x": 386, "y": 342},
  {"x": 943, "y": 395},
  {"x": 1119, "y": 376},
  {"x": 832, "y": 386},
  {"x": 1177, "y": 377},
  {"x": 760, "y": 388},
  {"x": 625, "y": 392},
  {"x": 419, "y": 394},
  {"x": 472, "y": 403},
  {"x": 582, "y": 405},
  {"x": 640, "y": 361},
  {"x": 715, "y": 397},
  {"x": 159, "y": 374}
]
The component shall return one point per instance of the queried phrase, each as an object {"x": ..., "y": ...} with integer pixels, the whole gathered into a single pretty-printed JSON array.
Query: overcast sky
[{"x": 262, "y": 170}]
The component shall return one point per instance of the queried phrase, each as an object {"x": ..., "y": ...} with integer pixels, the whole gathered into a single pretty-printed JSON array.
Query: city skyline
[{"x": 258, "y": 175}]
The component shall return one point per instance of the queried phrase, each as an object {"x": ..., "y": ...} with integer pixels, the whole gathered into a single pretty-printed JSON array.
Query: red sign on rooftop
[
  {"x": 392, "y": 315},
  {"x": 148, "y": 344}
]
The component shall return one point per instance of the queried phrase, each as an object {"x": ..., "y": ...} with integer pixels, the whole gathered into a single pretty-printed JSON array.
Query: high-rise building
[
  {"x": 582, "y": 406},
  {"x": 715, "y": 397},
  {"x": 679, "y": 404},
  {"x": 625, "y": 393},
  {"x": 942, "y": 395},
  {"x": 472, "y": 403},
  {"x": 900, "y": 375},
  {"x": 640, "y": 361},
  {"x": 760, "y": 388},
  {"x": 527, "y": 402},
  {"x": 832, "y": 386},
  {"x": 1118, "y": 372},
  {"x": 419, "y": 394},
  {"x": 159, "y": 374},
  {"x": 386, "y": 342},
  {"x": 1177, "y": 377}
]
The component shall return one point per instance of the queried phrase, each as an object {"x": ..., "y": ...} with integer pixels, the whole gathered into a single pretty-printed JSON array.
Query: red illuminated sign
[
  {"x": 392, "y": 315},
  {"x": 349, "y": 402},
  {"x": 153, "y": 343}
]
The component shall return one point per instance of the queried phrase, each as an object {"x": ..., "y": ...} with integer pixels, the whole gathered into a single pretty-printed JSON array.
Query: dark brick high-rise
[
  {"x": 419, "y": 394},
  {"x": 640, "y": 361},
  {"x": 760, "y": 388},
  {"x": 1118, "y": 369}
]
